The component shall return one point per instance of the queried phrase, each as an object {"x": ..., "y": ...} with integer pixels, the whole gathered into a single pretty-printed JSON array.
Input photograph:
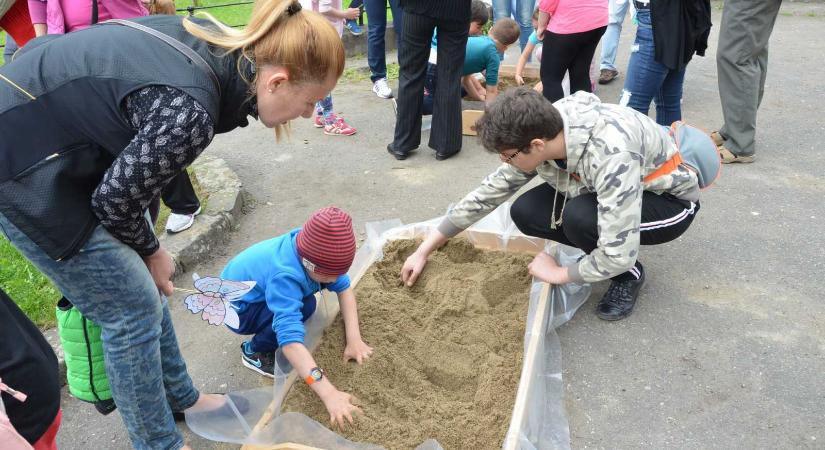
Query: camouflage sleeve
[
  {"x": 493, "y": 191},
  {"x": 619, "y": 193}
]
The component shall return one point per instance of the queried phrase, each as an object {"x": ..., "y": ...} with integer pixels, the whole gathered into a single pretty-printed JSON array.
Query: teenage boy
[{"x": 612, "y": 181}]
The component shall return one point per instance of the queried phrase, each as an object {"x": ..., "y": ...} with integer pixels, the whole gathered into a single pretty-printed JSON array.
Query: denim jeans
[
  {"x": 376, "y": 29},
  {"x": 324, "y": 108},
  {"x": 256, "y": 318},
  {"x": 610, "y": 40},
  {"x": 523, "y": 15},
  {"x": 110, "y": 285},
  {"x": 648, "y": 79}
]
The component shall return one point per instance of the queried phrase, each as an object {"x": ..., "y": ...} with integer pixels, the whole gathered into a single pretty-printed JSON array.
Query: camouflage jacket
[{"x": 610, "y": 150}]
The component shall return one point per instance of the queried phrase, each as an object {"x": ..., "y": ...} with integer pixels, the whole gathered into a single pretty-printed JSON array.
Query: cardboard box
[{"x": 468, "y": 121}]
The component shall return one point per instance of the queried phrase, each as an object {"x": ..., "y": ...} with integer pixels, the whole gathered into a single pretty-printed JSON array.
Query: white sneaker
[
  {"x": 381, "y": 88},
  {"x": 179, "y": 222}
]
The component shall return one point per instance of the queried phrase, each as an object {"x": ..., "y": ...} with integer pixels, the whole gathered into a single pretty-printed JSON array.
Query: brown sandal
[{"x": 729, "y": 158}]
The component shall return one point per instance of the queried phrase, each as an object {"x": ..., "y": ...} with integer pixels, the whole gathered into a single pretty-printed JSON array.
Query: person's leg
[
  {"x": 532, "y": 213},
  {"x": 555, "y": 62},
  {"x": 501, "y": 9},
  {"x": 429, "y": 89},
  {"x": 324, "y": 110},
  {"x": 179, "y": 195},
  {"x": 352, "y": 24},
  {"x": 644, "y": 74},
  {"x": 109, "y": 284},
  {"x": 663, "y": 219},
  {"x": 397, "y": 21},
  {"x": 412, "y": 58},
  {"x": 741, "y": 61},
  {"x": 9, "y": 49},
  {"x": 610, "y": 40},
  {"x": 524, "y": 17},
  {"x": 445, "y": 137},
  {"x": 376, "y": 28},
  {"x": 669, "y": 99},
  {"x": 580, "y": 65}
]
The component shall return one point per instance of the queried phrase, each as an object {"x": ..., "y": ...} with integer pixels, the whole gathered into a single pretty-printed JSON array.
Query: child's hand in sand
[
  {"x": 357, "y": 350},
  {"x": 340, "y": 406},
  {"x": 538, "y": 87},
  {"x": 519, "y": 79}
]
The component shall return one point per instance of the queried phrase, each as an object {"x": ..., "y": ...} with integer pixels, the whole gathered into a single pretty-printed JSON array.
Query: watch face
[{"x": 316, "y": 374}]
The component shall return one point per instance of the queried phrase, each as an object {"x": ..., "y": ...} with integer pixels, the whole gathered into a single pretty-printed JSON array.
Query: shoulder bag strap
[{"x": 174, "y": 43}]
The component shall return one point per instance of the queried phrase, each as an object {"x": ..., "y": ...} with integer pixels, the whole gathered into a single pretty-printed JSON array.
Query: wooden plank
[
  {"x": 525, "y": 383},
  {"x": 469, "y": 117}
]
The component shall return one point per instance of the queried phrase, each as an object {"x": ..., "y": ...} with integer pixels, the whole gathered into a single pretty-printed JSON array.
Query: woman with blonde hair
[{"x": 103, "y": 118}]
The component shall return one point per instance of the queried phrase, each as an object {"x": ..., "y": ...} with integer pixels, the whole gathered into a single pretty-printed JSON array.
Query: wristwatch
[{"x": 315, "y": 375}]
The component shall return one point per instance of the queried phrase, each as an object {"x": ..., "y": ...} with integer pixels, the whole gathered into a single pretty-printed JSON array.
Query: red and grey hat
[{"x": 326, "y": 243}]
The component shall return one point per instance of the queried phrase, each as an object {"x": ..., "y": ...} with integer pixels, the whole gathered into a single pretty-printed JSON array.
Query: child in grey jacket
[{"x": 613, "y": 180}]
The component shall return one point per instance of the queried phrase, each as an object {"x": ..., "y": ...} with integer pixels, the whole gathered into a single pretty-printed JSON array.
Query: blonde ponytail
[{"x": 280, "y": 33}]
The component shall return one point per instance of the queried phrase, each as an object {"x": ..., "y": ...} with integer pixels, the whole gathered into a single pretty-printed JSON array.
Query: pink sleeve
[
  {"x": 548, "y": 6},
  {"x": 37, "y": 11}
]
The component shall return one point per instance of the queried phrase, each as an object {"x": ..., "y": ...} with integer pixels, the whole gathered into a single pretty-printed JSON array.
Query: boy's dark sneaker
[
  {"x": 620, "y": 298},
  {"x": 261, "y": 362}
]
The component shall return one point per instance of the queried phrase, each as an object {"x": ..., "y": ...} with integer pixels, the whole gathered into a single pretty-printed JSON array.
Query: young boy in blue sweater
[{"x": 289, "y": 270}]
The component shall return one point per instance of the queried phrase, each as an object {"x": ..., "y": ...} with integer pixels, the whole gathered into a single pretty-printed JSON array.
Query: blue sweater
[{"x": 282, "y": 282}]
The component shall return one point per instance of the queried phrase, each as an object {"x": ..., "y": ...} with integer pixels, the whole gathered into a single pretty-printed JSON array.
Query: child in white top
[{"x": 325, "y": 118}]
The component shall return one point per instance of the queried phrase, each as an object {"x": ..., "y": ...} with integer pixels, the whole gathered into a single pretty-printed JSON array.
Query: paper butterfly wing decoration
[{"x": 214, "y": 297}]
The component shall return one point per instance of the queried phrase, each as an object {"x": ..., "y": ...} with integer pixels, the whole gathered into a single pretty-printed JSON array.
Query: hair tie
[{"x": 293, "y": 8}]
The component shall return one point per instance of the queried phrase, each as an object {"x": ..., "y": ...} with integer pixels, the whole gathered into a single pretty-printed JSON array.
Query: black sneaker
[
  {"x": 261, "y": 362},
  {"x": 620, "y": 298}
]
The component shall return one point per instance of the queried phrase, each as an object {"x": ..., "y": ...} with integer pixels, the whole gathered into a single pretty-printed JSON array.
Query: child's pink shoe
[
  {"x": 339, "y": 128},
  {"x": 319, "y": 120}
]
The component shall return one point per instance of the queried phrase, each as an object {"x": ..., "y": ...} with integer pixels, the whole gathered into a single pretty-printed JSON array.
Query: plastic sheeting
[{"x": 538, "y": 421}]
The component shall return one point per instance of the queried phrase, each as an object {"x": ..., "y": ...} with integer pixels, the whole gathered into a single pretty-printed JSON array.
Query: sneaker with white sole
[
  {"x": 180, "y": 222},
  {"x": 260, "y": 362},
  {"x": 354, "y": 28},
  {"x": 339, "y": 128},
  {"x": 319, "y": 120},
  {"x": 382, "y": 88}
]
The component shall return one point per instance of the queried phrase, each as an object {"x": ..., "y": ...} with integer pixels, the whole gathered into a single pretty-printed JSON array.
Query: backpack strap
[{"x": 174, "y": 43}]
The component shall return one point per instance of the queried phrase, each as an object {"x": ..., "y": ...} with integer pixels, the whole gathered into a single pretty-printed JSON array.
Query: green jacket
[{"x": 83, "y": 350}]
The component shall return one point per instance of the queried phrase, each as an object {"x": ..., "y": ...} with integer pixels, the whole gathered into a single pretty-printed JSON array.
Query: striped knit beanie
[{"x": 326, "y": 243}]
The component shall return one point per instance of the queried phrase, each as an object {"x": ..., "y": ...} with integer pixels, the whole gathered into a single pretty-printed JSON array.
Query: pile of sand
[{"x": 448, "y": 351}]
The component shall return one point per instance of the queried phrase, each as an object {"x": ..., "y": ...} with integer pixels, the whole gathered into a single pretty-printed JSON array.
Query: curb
[{"x": 223, "y": 210}]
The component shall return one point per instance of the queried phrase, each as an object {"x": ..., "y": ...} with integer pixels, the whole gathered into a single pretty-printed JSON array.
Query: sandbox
[
  {"x": 533, "y": 417},
  {"x": 448, "y": 351}
]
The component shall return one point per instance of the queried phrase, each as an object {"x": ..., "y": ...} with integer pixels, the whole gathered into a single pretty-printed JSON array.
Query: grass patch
[
  {"x": 356, "y": 74},
  {"x": 32, "y": 291}
]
